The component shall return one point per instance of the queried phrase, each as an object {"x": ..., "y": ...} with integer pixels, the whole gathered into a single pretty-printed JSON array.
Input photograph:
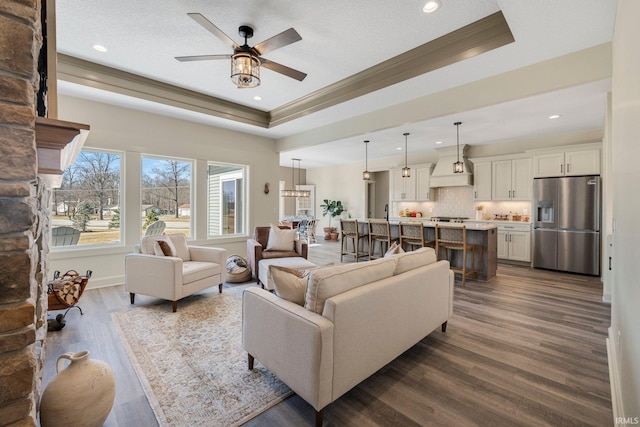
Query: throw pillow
[
  {"x": 289, "y": 283},
  {"x": 164, "y": 247},
  {"x": 280, "y": 239},
  {"x": 414, "y": 259},
  {"x": 393, "y": 250}
]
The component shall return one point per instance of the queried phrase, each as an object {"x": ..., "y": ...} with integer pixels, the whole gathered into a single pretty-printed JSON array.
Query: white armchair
[{"x": 185, "y": 271}]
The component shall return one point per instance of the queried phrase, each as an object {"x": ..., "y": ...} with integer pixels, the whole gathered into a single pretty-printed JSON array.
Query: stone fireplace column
[{"x": 24, "y": 202}]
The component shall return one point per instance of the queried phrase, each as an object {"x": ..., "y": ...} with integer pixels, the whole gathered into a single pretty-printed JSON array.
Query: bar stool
[
  {"x": 379, "y": 231},
  {"x": 412, "y": 234},
  {"x": 350, "y": 230},
  {"x": 454, "y": 238}
]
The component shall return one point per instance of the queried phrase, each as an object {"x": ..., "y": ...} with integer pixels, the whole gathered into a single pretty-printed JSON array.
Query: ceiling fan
[{"x": 246, "y": 60}]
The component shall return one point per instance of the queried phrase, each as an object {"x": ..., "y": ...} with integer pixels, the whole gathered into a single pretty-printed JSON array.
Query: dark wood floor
[{"x": 527, "y": 348}]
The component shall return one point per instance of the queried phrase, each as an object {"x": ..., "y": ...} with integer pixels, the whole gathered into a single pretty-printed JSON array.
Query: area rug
[{"x": 191, "y": 363}]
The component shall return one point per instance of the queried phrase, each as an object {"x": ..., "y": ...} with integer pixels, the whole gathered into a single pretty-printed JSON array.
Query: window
[
  {"x": 86, "y": 208},
  {"x": 226, "y": 199},
  {"x": 166, "y": 195}
]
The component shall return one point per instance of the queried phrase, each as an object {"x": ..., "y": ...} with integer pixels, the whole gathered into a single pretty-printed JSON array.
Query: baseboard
[
  {"x": 614, "y": 377},
  {"x": 103, "y": 282}
]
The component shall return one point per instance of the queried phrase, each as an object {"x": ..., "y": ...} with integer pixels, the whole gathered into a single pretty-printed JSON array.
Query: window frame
[{"x": 243, "y": 222}]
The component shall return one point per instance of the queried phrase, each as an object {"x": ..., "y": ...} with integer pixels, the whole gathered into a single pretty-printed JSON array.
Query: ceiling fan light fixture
[
  {"x": 431, "y": 6},
  {"x": 245, "y": 70}
]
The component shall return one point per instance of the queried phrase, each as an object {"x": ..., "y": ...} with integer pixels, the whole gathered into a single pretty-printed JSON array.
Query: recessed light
[
  {"x": 99, "y": 48},
  {"x": 399, "y": 148},
  {"x": 257, "y": 98},
  {"x": 431, "y": 6},
  {"x": 438, "y": 142},
  {"x": 554, "y": 116}
]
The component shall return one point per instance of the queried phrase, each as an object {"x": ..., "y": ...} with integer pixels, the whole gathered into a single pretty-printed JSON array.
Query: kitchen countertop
[
  {"x": 489, "y": 221},
  {"x": 428, "y": 223}
]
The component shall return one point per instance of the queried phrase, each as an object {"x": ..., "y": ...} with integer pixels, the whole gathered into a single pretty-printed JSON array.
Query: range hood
[{"x": 443, "y": 175}]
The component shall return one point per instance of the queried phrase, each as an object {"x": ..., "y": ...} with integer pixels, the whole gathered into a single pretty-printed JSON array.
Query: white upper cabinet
[
  {"x": 402, "y": 188},
  {"x": 482, "y": 181},
  {"x": 423, "y": 192},
  {"x": 567, "y": 163},
  {"x": 413, "y": 188},
  {"x": 584, "y": 162},
  {"x": 511, "y": 179}
]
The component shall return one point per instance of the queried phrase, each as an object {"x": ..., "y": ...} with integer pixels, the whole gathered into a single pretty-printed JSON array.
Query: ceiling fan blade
[
  {"x": 209, "y": 26},
  {"x": 279, "y": 68},
  {"x": 279, "y": 40},
  {"x": 201, "y": 57}
]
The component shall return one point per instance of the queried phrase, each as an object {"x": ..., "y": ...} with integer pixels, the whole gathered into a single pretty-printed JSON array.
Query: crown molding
[{"x": 98, "y": 76}]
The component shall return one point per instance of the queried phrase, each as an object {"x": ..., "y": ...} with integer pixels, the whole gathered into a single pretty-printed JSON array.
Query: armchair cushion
[
  {"x": 280, "y": 239},
  {"x": 164, "y": 247},
  {"x": 178, "y": 240}
]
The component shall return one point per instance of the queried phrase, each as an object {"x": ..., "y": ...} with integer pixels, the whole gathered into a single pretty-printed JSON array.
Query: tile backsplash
[{"x": 458, "y": 202}]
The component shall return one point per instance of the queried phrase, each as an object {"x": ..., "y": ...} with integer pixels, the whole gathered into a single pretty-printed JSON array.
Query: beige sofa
[{"x": 356, "y": 319}]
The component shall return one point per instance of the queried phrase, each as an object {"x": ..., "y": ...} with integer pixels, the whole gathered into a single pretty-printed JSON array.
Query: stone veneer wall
[{"x": 23, "y": 218}]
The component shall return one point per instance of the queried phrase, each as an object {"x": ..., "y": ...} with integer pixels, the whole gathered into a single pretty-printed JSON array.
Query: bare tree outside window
[
  {"x": 166, "y": 191},
  {"x": 89, "y": 197}
]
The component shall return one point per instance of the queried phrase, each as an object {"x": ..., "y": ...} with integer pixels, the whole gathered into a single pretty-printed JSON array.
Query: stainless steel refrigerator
[{"x": 566, "y": 228}]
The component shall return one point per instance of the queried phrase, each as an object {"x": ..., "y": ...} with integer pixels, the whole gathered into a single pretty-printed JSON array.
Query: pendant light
[
  {"x": 294, "y": 192},
  {"x": 458, "y": 167},
  {"x": 406, "y": 171},
  {"x": 366, "y": 175},
  {"x": 301, "y": 193}
]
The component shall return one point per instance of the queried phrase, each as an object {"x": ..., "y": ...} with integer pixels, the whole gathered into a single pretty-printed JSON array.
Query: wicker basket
[{"x": 237, "y": 269}]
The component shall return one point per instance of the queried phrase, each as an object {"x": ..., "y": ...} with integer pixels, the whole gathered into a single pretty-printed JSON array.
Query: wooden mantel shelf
[{"x": 58, "y": 144}]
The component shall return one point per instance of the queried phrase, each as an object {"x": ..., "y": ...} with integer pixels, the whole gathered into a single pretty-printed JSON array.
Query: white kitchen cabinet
[
  {"x": 567, "y": 163},
  {"x": 511, "y": 179},
  {"x": 402, "y": 188},
  {"x": 514, "y": 242},
  {"x": 423, "y": 178},
  {"x": 482, "y": 181},
  {"x": 415, "y": 187},
  {"x": 583, "y": 162}
]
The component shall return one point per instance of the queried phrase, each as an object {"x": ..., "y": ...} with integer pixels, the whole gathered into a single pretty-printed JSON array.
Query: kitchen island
[{"x": 483, "y": 235}]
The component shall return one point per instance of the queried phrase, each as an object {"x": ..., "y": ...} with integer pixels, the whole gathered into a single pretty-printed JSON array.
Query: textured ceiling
[{"x": 341, "y": 39}]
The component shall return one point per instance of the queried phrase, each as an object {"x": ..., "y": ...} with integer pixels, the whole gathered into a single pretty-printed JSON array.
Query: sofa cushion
[
  {"x": 414, "y": 259},
  {"x": 289, "y": 283},
  {"x": 264, "y": 267},
  {"x": 326, "y": 282},
  {"x": 196, "y": 270},
  {"x": 280, "y": 239}
]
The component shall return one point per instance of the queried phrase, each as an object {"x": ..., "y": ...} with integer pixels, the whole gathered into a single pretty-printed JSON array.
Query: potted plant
[{"x": 333, "y": 208}]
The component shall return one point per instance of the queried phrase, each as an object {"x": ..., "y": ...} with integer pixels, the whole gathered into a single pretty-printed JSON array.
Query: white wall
[
  {"x": 624, "y": 335},
  {"x": 136, "y": 133}
]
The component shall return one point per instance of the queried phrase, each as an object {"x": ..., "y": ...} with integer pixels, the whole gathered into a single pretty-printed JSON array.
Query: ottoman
[{"x": 264, "y": 273}]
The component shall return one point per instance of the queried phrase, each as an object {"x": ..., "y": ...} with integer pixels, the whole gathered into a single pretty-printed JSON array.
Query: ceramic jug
[{"x": 80, "y": 394}]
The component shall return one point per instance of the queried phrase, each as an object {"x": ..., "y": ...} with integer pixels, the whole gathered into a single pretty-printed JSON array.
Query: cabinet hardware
[
  {"x": 475, "y": 194},
  {"x": 513, "y": 196},
  {"x": 568, "y": 167},
  {"x": 561, "y": 168},
  {"x": 506, "y": 237},
  {"x": 609, "y": 263}
]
